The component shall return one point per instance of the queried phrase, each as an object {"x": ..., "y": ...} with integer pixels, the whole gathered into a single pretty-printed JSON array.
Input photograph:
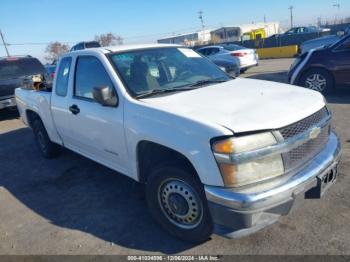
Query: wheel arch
[
  {"x": 149, "y": 153},
  {"x": 31, "y": 116},
  {"x": 315, "y": 67}
]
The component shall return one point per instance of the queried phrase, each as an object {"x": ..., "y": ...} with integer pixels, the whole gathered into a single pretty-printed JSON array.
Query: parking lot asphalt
[{"x": 71, "y": 205}]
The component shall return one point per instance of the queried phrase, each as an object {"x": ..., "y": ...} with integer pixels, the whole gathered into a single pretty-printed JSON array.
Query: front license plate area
[{"x": 324, "y": 182}]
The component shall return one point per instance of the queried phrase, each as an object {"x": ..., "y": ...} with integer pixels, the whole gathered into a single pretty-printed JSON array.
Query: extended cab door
[
  {"x": 59, "y": 108},
  {"x": 96, "y": 131}
]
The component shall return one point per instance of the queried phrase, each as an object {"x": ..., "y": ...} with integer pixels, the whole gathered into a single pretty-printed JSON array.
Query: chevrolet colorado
[{"x": 216, "y": 154}]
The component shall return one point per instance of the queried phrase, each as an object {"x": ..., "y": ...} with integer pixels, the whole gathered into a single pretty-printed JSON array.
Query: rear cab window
[{"x": 63, "y": 76}]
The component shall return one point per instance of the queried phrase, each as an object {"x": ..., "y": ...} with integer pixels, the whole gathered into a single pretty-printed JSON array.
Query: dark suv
[
  {"x": 14, "y": 71},
  {"x": 323, "y": 69}
]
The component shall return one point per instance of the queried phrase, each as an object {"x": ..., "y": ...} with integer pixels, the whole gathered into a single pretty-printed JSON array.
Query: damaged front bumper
[{"x": 239, "y": 213}]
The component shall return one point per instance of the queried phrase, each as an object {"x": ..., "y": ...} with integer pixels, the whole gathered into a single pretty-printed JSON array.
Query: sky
[{"x": 141, "y": 21}]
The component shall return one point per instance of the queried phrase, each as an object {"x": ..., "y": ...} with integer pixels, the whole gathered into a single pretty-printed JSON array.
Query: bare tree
[
  {"x": 109, "y": 39},
  {"x": 55, "y": 50}
]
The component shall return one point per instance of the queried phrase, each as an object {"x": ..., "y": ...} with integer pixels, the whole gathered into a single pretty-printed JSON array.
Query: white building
[{"x": 222, "y": 34}]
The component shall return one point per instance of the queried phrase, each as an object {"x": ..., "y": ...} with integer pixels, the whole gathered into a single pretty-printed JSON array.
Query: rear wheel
[
  {"x": 46, "y": 147},
  {"x": 177, "y": 201},
  {"x": 319, "y": 80}
]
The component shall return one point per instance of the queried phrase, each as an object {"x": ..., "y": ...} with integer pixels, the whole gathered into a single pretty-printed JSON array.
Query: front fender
[{"x": 190, "y": 138}]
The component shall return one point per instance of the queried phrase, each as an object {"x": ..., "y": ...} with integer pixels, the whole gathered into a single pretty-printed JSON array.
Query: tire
[
  {"x": 173, "y": 190},
  {"x": 319, "y": 80},
  {"x": 243, "y": 70},
  {"x": 47, "y": 148}
]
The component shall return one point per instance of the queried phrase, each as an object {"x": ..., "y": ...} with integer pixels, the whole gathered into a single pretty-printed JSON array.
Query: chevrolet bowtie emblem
[{"x": 315, "y": 132}]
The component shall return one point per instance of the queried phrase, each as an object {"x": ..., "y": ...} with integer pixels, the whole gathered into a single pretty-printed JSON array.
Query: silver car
[{"x": 247, "y": 57}]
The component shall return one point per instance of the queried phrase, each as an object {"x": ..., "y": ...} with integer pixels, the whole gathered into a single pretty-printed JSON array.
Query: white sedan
[{"x": 247, "y": 57}]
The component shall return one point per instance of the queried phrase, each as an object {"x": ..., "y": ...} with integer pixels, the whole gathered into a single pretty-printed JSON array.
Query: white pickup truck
[{"x": 216, "y": 154}]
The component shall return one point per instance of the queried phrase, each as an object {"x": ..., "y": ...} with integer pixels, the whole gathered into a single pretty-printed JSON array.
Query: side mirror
[{"x": 105, "y": 96}]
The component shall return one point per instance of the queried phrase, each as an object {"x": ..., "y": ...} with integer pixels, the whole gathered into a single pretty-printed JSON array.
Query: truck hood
[{"x": 242, "y": 105}]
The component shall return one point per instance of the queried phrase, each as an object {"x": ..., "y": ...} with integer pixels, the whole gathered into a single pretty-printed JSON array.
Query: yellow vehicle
[{"x": 254, "y": 34}]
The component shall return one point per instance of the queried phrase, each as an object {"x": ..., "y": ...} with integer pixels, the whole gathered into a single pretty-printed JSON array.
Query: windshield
[
  {"x": 232, "y": 47},
  {"x": 341, "y": 40},
  {"x": 14, "y": 68},
  {"x": 165, "y": 69}
]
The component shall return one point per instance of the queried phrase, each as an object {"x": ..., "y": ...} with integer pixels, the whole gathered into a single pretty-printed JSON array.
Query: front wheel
[
  {"x": 319, "y": 80},
  {"x": 177, "y": 201}
]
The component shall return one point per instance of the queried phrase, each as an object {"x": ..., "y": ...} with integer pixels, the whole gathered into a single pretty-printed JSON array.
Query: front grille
[
  {"x": 305, "y": 152},
  {"x": 303, "y": 125}
]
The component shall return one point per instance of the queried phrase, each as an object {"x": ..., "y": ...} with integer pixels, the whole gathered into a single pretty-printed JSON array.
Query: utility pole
[
  {"x": 337, "y": 5},
  {"x": 291, "y": 15},
  {"x": 5, "y": 45},
  {"x": 264, "y": 19},
  {"x": 337, "y": 14},
  {"x": 200, "y": 13}
]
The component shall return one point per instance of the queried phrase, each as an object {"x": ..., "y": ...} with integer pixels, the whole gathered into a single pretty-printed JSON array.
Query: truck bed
[{"x": 38, "y": 102}]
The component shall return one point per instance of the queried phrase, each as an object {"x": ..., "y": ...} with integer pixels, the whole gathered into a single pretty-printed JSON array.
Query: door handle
[{"x": 74, "y": 109}]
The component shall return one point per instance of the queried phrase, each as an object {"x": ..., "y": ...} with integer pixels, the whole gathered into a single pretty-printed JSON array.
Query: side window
[
  {"x": 80, "y": 46},
  {"x": 215, "y": 51},
  {"x": 89, "y": 73},
  {"x": 209, "y": 51},
  {"x": 63, "y": 76},
  {"x": 202, "y": 51}
]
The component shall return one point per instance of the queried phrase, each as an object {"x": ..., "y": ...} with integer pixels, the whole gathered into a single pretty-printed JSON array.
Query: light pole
[
  {"x": 200, "y": 16},
  {"x": 337, "y": 13},
  {"x": 5, "y": 45},
  {"x": 291, "y": 15}
]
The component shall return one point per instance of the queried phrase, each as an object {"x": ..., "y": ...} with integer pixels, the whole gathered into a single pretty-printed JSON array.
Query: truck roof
[{"x": 118, "y": 48}]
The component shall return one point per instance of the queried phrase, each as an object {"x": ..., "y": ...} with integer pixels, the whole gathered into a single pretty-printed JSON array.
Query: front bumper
[
  {"x": 7, "y": 102},
  {"x": 240, "y": 213}
]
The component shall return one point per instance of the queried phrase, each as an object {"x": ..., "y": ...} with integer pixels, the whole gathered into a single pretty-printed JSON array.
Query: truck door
[{"x": 96, "y": 131}]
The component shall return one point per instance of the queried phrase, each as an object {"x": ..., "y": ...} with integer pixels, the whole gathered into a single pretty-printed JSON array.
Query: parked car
[
  {"x": 84, "y": 45},
  {"x": 211, "y": 150},
  {"x": 323, "y": 69},
  {"x": 318, "y": 43},
  {"x": 232, "y": 68},
  {"x": 228, "y": 63},
  {"x": 304, "y": 30},
  {"x": 14, "y": 71},
  {"x": 247, "y": 57},
  {"x": 322, "y": 41},
  {"x": 51, "y": 70}
]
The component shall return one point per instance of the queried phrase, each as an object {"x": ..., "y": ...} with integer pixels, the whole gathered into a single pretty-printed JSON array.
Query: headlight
[{"x": 257, "y": 170}]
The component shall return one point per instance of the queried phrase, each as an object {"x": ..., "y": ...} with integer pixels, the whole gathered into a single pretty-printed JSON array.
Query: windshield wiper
[
  {"x": 181, "y": 88},
  {"x": 206, "y": 82},
  {"x": 162, "y": 91}
]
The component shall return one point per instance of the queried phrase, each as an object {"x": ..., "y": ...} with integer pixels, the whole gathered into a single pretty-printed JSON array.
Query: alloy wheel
[{"x": 316, "y": 82}]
